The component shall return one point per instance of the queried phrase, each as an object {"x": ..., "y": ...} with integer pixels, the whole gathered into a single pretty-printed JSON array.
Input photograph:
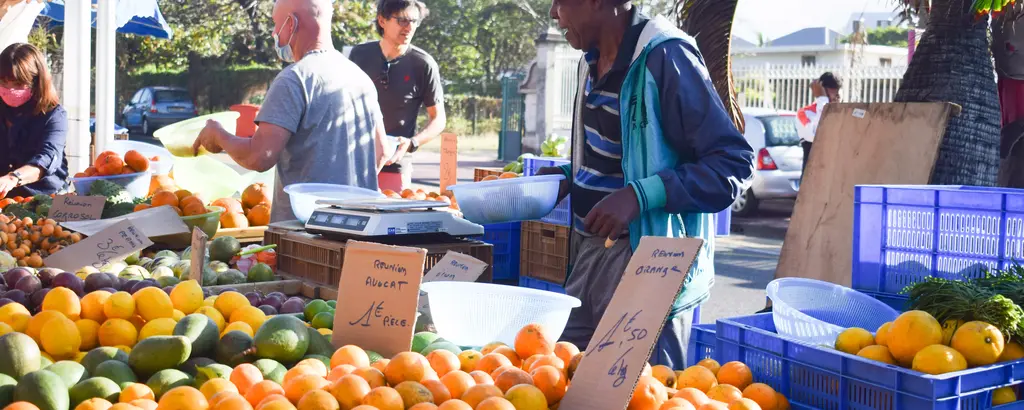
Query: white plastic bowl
[
  {"x": 137, "y": 184},
  {"x": 474, "y": 314},
  {"x": 303, "y": 197},
  {"x": 816, "y": 312},
  {"x": 508, "y": 200}
]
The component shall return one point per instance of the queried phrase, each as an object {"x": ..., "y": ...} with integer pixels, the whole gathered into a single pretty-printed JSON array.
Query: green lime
[{"x": 323, "y": 320}]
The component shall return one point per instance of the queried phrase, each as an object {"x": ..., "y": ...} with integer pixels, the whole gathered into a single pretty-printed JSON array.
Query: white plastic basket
[
  {"x": 137, "y": 184},
  {"x": 508, "y": 200},
  {"x": 816, "y": 312},
  {"x": 474, "y": 314},
  {"x": 303, "y": 197},
  {"x": 161, "y": 167}
]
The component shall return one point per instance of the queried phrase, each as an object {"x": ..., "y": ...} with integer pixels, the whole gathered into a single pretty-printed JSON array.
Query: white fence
[{"x": 788, "y": 87}]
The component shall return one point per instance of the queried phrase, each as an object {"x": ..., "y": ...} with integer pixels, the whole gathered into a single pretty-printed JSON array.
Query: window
[
  {"x": 172, "y": 96},
  {"x": 885, "y": 62},
  {"x": 808, "y": 60},
  {"x": 780, "y": 130},
  {"x": 137, "y": 98}
]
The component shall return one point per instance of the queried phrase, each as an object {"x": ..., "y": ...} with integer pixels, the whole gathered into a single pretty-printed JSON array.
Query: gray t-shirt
[{"x": 330, "y": 106}]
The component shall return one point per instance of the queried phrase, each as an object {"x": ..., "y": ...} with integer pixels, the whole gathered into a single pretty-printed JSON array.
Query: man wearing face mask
[
  {"x": 320, "y": 121},
  {"x": 406, "y": 78}
]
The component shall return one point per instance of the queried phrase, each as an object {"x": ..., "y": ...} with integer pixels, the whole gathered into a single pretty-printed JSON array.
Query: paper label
[
  {"x": 111, "y": 244},
  {"x": 449, "y": 160},
  {"x": 198, "y": 255},
  {"x": 453, "y": 266},
  {"x": 76, "y": 208}
]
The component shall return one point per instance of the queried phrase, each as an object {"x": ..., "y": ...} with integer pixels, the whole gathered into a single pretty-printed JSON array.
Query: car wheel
[
  {"x": 746, "y": 204},
  {"x": 145, "y": 126}
]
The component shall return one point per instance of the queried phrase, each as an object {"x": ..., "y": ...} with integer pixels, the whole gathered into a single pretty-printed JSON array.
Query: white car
[{"x": 778, "y": 159}]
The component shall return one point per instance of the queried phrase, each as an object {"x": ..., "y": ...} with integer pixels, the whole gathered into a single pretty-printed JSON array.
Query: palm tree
[
  {"x": 952, "y": 63},
  {"x": 710, "y": 23}
]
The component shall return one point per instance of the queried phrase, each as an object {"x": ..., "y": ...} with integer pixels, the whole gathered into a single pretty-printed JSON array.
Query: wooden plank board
[
  {"x": 856, "y": 144},
  {"x": 250, "y": 234}
]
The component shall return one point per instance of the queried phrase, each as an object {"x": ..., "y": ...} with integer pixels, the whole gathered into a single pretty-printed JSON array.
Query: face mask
[
  {"x": 285, "y": 52},
  {"x": 15, "y": 97}
]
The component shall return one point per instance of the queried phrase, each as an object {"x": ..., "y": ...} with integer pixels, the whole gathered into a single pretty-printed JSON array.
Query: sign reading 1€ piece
[
  {"x": 377, "y": 297},
  {"x": 631, "y": 324}
]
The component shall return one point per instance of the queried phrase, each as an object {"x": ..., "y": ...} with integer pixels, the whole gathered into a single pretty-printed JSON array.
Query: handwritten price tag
[
  {"x": 76, "y": 208},
  {"x": 453, "y": 266},
  {"x": 627, "y": 333},
  {"x": 111, "y": 244},
  {"x": 198, "y": 260},
  {"x": 449, "y": 160},
  {"x": 377, "y": 297}
]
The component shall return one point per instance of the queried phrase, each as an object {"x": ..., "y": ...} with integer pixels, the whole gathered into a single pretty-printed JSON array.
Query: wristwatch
[
  {"x": 17, "y": 176},
  {"x": 413, "y": 145}
]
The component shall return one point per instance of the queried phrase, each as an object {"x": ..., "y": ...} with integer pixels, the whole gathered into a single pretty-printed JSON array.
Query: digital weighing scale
[{"x": 388, "y": 218}]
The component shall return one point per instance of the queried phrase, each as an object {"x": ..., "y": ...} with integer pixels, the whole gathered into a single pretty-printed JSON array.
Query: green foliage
[
  {"x": 217, "y": 89},
  {"x": 886, "y": 36},
  {"x": 353, "y": 23}
]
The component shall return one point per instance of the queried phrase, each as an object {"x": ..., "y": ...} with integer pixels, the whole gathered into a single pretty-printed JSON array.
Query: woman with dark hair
[{"x": 33, "y": 125}]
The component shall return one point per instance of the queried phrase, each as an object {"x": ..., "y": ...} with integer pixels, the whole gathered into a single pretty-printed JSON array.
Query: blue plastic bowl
[{"x": 137, "y": 184}]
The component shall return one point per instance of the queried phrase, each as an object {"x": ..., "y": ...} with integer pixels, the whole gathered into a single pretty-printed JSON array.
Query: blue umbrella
[{"x": 140, "y": 17}]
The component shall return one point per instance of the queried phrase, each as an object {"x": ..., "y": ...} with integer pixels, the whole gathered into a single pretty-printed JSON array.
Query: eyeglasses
[
  {"x": 384, "y": 74},
  {"x": 406, "y": 22}
]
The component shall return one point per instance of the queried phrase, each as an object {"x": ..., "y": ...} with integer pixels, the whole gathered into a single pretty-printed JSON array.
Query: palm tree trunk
[
  {"x": 953, "y": 63},
  {"x": 710, "y": 23}
]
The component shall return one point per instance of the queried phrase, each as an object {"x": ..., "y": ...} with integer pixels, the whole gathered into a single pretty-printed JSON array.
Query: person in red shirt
[{"x": 824, "y": 90}]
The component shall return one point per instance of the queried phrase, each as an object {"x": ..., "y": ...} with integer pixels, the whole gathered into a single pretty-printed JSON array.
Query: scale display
[
  {"x": 377, "y": 218},
  {"x": 343, "y": 221}
]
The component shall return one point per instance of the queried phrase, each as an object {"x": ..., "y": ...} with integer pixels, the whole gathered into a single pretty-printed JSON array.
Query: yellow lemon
[
  {"x": 120, "y": 305},
  {"x": 153, "y": 303},
  {"x": 939, "y": 359},
  {"x": 65, "y": 301},
  {"x": 979, "y": 342},
  {"x": 15, "y": 315},
  {"x": 1003, "y": 395},
  {"x": 158, "y": 327},
  {"x": 228, "y": 302},
  {"x": 88, "y": 330},
  {"x": 35, "y": 325},
  {"x": 187, "y": 296},
  {"x": 239, "y": 326},
  {"x": 209, "y": 301},
  {"x": 254, "y": 317},
  {"x": 60, "y": 337},
  {"x": 92, "y": 305},
  {"x": 79, "y": 356},
  {"x": 325, "y": 331},
  {"x": 178, "y": 315},
  {"x": 212, "y": 313},
  {"x": 949, "y": 327},
  {"x": 527, "y": 396},
  {"x": 5, "y": 328},
  {"x": 877, "y": 353},
  {"x": 853, "y": 339},
  {"x": 911, "y": 332},
  {"x": 123, "y": 348},
  {"x": 1012, "y": 351},
  {"x": 882, "y": 334},
  {"x": 117, "y": 332}
]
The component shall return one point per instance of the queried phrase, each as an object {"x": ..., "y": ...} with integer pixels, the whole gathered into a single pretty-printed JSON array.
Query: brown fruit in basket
[
  {"x": 177, "y": 210},
  {"x": 190, "y": 201},
  {"x": 256, "y": 194},
  {"x": 160, "y": 182},
  {"x": 162, "y": 198},
  {"x": 182, "y": 194},
  {"x": 233, "y": 220},
  {"x": 489, "y": 178},
  {"x": 141, "y": 207},
  {"x": 109, "y": 163},
  {"x": 136, "y": 160},
  {"x": 91, "y": 171},
  {"x": 508, "y": 175},
  {"x": 259, "y": 215},
  {"x": 230, "y": 205},
  {"x": 193, "y": 208}
]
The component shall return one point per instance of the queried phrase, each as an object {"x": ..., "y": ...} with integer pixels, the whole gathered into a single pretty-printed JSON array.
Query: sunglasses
[
  {"x": 406, "y": 22},
  {"x": 383, "y": 79}
]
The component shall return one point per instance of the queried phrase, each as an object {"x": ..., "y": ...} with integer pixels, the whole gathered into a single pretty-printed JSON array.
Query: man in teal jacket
[{"x": 654, "y": 154}]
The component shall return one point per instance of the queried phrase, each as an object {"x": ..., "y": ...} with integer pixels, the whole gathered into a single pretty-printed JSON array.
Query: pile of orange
[
  {"x": 504, "y": 175},
  {"x": 30, "y": 241},
  {"x": 252, "y": 210},
  {"x": 705, "y": 386},
  {"x": 184, "y": 202},
  {"x": 110, "y": 163},
  {"x": 421, "y": 195}
]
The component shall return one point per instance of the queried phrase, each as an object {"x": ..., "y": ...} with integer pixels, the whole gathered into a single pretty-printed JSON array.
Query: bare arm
[
  {"x": 438, "y": 120},
  {"x": 379, "y": 134},
  {"x": 259, "y": 153}
]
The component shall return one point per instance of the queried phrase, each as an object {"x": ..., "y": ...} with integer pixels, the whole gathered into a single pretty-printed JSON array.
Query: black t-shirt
[{"x": 403, "y": 86}]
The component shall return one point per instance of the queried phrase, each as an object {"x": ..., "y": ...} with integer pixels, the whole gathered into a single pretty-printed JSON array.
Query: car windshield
[
  {"x": 780, "y": 130},
  {"x": 173, "y": 96}
]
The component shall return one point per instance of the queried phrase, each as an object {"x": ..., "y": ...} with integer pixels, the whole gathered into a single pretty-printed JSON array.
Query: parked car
[
  {"x": 154, "y": 107},
  {"x": 778, "y": 160}
]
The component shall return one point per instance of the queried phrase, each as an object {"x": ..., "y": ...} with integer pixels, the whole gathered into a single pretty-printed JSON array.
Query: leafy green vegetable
[{"x": 966, "y": 300}]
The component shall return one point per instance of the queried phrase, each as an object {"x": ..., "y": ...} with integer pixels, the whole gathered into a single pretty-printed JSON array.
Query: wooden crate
[
  {"x": 252, "y": 234},
  {"x": 283, "y": 284},
  {"x": 315, "y": 259},
  {"x": 481, "y": 173},
  {"x": 544, "y": 252}
]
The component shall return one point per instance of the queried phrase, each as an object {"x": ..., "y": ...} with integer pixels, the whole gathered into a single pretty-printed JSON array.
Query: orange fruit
[
  {"x": 256, "y": 194},
  {"x": 259, "y": 215},
  {"x": 318, "y": 400},
  {"x": 21, "y": 405},
  {"x": 744, "y": 404},
  {"x": 736, "y": 374},
  {"x": 297, "y": 371},
  {"x": 232, "y": 402},
  {"x": 351, "y": 355},
  {"x": 443, "y": 361},
  {"x": 468, "y": 360},
  {"x": 479, "y": 393},
  {"x": 494, "y": 375},
  {"x": 339, "y": 371},
  {"x": 245, "y": 376},
  {"x": 384, "y": 398},
  {"x": 318, "y": 367},
  {"x": 233, "y": 220},
  {"x": 783, "y": 403},
  {"x": 677, "y": 404},
  {"x": 698, "y": 377},
  {"x": 696, "y": 397},
  {"x": 230, "y": 205},
  {"x": 481, "y": 378},
  {"x": 145, "y": 404},
  {"x": 762, "y": 394},
  {"x": 349, "y": 390},
  {"x": 530, "y": 341},
  {"x": 489, "y": 348},
  {"x": 454, "y": 405},
  {"x": 261, "y": 390},
  {"x": 508, "y": 175},
  {"x": 164, "y": 198},
  {"x": 136, "y": 160},
  {"x": 495, "y": 403},
  {"x": 135, "y": 391},
  {"x": 299, "y": 386},
  {"x": 405, "y": 366},
  {"x": 457, "y": 382},
  {"x": 509, "y": 353},
  {"x": 714, "y": 405},
  {"x": 550, "y": 381},
  {"x": 414, "y": 393},
  {"x": 214, "y": 386},
  {"x": 566, "y": 351},
  {"x": 183, "y": 398},
  {"x": 372, "y": 376},
  {"x": 512, "y": 377},
  {"x": 725, "y": 393},
  {"x": 570, "y": 369},
  {"x": 649, "y": 394},
  {"x": 710, "y": 364},
  {"x": 424, "y": 406},
  {"x": 274, "y": 398},
  {"x": 438, "y": 390},
  {"x": 217, "y": 398},
  {"x": 94, "y": 403},
  {"x": 546, "y": 360},
  {"x": 491, "y": 362}
]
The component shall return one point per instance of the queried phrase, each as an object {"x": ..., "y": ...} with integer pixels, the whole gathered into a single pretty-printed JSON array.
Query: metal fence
[{"x": 788, "y": 87}]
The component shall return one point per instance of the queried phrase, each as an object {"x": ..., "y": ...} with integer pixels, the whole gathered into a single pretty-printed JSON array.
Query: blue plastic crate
[
  {"x": 815, "y": 377},
  {"x": 562, "y": 213},
  {"x": 903, "y": 234},
  {"x": 505, "y": 241},
  {"x": 528, "y": 282},
  {"x": 701, "y": 345}
]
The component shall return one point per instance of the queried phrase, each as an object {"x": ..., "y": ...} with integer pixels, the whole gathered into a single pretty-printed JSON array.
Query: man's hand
[
  {"x": 563, "y": 187},
  {"x": 209, "y": 138},
  {"x": 613, "y": 214},
  {"x": 403, "y": 148},
  {"x": 7, "y": 184}
]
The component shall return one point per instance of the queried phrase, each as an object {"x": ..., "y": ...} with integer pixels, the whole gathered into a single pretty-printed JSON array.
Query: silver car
[{"x": 778, "y": 157}]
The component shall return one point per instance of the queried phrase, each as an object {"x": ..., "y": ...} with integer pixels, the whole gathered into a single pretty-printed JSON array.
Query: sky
[{"x": 776, "y": 18}]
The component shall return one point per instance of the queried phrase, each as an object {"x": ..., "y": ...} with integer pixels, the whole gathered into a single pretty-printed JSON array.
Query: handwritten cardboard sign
[
  {"x": 111, "y": 244},
  {"x": 627, "y": 333},
  {"x": 453, "y": 266},
  {"x": 377, "y": 297},
  {"x": 449, "y": 160},
  {"x": 76, "y": 208},
  {"x": 198, "y": 255}
]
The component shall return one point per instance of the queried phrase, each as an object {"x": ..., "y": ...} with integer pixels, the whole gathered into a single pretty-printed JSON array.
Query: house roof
[
  {"x": 811, "y": 36},
  {"x": 741, "y": 43}
]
